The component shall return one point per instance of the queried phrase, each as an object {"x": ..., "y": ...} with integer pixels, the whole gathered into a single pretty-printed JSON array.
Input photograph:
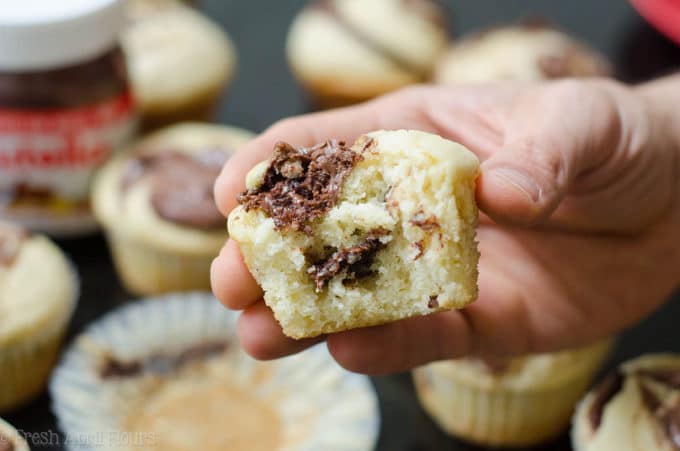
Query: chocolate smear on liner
[
  {"x": 357, "y": 260},
  {"x": 604, "y": 393},
  {"x": 160, "y": 364},
  {"x": 301, "y": 185},
  {"x": 330, "y": 8}
]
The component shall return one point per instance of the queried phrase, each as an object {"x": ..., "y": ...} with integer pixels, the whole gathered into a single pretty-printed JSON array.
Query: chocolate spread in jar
[
  {"x": 301, "y": 185},
  {"x": 181, "y": 185},
  {"x": 65, "y": 108}
]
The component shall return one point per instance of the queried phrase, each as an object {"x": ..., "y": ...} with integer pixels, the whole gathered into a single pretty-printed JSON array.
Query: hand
[{"x": 579, "y": 237}]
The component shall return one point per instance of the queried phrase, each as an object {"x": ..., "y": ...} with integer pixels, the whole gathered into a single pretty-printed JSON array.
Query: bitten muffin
[
  {"x": 38, "y": 292},
  {"x": 156, "y": 204},
  {"x": 180, "y": 63},
  {"x": 528, "y": 52},
  {"x": 181, "y": 382},
  {"x": 10, "y": 439},
  {"x": 348, "y": 51},
  {"x": 345, "y": 236},
  {"x": 518, "y": 403},
  {"x": 637, "y": 408}
]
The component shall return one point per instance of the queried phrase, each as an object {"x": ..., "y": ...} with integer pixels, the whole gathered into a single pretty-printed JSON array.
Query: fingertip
[
  {"x": 261, "y": 335},
  {"x": 231, "y": 280},
  {"x": 511, "y": 196}
]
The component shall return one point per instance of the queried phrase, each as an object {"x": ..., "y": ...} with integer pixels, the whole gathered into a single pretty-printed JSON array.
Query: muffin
[
  {"x": 520, "y": 402},
  {"x": 527, "y": 52},
  {"x": 10, "y": 439},
  {"x": 341, "y": 237},
  {"x": 182, "y": 382},
  {"x": 180, "y": 63},
  {"x": 38, "y": 292},
  {"x": 636, "y": 408},
  {"x": 156, "y": 205},
  {"x": 348, "y": 51}
]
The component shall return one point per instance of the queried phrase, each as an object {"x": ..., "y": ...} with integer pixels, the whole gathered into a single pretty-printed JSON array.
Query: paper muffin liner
[
  {"x": 7, "y": 432},
  {"x": 502, "y": 416},
  {"x": 316, "y": 404},
  {"x": 148, "y": 270},
  {"x": 25, "y": 366}
]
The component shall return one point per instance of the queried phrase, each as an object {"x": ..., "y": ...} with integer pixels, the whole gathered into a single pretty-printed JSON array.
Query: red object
[{"x": 663, "y": 14}]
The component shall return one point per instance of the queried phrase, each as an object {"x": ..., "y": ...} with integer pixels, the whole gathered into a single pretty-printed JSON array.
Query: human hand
[{"x": 579, "y": 236}]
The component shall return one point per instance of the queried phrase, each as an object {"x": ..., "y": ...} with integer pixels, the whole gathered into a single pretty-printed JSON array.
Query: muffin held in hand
[
  {"x": 637, "y": 408},
  {"x": 343, "y": 236},
  {"x": 157, "y": 207},
  {"x": 516, "y": 403},
  {"x": 180, "y": 62},
  {"x": 38, "y": 294},
  {"x": 348, "y": 51},
  {"x": 528, "y": 52}
]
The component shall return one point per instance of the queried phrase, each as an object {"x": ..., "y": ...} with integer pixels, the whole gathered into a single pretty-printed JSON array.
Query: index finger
[{"x": 342, "y": 124}]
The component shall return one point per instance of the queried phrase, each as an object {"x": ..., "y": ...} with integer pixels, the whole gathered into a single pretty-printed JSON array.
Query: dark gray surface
[{"x": 264, "y": 92}]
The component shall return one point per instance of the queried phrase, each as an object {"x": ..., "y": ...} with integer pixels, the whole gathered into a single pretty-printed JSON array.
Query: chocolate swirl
[
  {"x": 181, "y": 185},
  {"x": 300, "y": 185},
  {"x": 666, "y": 416}
]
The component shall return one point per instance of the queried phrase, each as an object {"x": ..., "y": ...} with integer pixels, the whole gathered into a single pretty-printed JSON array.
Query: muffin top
[
  {"x": 164, "y": 47},
  {"x": 37, "y": 284},
  {"x": 161, "y": 189},
  {"x": 637, "y": 408},
  {"x": 534, "y": 372},
  {"x": 529, "y": 52},
  {"x": 367, "y": 47}
]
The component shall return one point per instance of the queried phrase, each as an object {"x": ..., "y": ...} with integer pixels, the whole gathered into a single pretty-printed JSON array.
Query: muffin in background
[
  {"x": 348, "y": 51},
  {"x": 180, "y": 62},
  {"x": 10, "y": 439},
  {"x": 522, "y": 402},
  {"x": 156, "y": 205},
  {"x": 181, "y": 382},
  {"x": 636, "y": 408},
  {"x": 525, "y": 52},
  {"x": 38, "y": 294}
]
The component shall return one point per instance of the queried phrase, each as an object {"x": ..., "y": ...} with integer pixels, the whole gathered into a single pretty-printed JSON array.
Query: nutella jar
[{"x": 65, "y": 107}]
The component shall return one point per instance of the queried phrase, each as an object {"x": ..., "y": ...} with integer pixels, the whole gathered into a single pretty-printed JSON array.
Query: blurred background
[{"x": 265, "y": 91}]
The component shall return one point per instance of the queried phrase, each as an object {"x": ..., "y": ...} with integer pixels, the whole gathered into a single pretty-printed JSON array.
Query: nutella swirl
[
  {"x": 181, "y": 185},
  {"x": 665, "y": 414},
  {"x": 301, "y": 185}
]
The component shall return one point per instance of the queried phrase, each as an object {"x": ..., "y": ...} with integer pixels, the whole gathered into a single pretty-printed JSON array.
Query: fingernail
[{"x": 519, "y": 179}]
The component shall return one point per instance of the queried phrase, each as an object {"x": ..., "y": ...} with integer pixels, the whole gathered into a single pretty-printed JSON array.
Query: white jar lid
[{"x": 49, "y": 34}]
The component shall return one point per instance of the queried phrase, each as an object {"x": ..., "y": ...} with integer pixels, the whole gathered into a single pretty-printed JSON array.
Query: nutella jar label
[{"x": 48, "y": 158}]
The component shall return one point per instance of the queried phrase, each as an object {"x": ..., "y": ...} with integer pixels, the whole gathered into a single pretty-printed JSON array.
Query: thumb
[{"x": 551, "y": 137}]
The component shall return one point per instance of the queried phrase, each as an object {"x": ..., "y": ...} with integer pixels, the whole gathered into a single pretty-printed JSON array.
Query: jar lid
[{"x": 49, "y": 34}]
